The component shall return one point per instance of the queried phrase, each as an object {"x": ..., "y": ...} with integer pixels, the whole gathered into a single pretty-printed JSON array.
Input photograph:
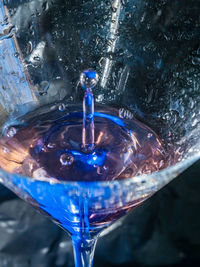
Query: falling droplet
[
  {"x": 89, "y": 79},
  {"x": 11, "y": 132},
  {"x": 66, "y": 159}
]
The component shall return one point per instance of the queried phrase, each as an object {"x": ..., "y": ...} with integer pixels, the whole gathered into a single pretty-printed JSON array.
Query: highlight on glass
[{"x": 94, "y": 117}]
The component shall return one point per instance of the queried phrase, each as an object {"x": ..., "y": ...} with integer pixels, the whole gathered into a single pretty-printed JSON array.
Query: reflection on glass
[{"x": 88, "y": 152}]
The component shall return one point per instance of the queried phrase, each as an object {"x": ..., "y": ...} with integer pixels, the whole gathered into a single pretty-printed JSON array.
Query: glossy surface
[{"x": 48, "y": 144}]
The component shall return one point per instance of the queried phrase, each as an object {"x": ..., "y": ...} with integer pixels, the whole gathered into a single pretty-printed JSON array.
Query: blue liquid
[{"x": 52, "y": 148}]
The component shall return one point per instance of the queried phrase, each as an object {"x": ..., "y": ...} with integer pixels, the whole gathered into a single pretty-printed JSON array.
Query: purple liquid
[
  {"x": 48, "y": 144},
  {"x": 75, "y": 143}
]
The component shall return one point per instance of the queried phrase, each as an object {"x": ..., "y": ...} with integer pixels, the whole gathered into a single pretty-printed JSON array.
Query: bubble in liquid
[
  {"x": 66, "y": 159},
  {"x": 89, "y": 79},
  {"x": 5, "y": 150},
  {"x": 102, "y": 169},
  {"x": 11, "y": 132},
  {"x": 51, "y": 145}
]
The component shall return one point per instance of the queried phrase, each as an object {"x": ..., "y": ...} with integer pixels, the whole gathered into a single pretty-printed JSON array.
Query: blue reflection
[{"x": 110, "y": 117}]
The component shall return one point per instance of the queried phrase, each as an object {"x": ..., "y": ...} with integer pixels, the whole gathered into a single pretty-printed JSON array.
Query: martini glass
[{"x": 44, "y": 46}]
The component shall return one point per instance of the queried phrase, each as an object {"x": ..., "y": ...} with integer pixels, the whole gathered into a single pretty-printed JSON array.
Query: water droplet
[
  {"x": 62, "y": 107},
  {"x": 196, "y": 61},
  {"x": 191, "y": 103},
  {"x": 125, "y": 114},
  {"x": 45, "y": 6},
  {"x": 16, "y": 54},
  {"x": 66, "y": 159},
  {"x": 195, "y": 121},
  {"x": 114, "y": 9},
  {"x": 11, "y": 132},
  {"x": 89, "y": 79},
  {"x": 43, "y": 88},
  {"x": 100, "y": 98},
  {"x": 36, "y": 58},
  {"x": 128, "y": 15}
]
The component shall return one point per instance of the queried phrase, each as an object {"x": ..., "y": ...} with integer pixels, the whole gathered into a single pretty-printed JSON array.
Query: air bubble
[
  {"x": 66, "y": 159},
  {"x": 114, "y": 9},
  {"x": 102, "y": 169},
  {"x": 99, "y": 170}
]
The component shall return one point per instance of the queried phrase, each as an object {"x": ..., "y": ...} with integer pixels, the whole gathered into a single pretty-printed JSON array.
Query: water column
[{"x": 89, "y": 79}]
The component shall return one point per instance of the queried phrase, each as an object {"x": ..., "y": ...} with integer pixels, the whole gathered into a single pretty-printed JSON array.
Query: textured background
[{"x": 163, "y": 231}]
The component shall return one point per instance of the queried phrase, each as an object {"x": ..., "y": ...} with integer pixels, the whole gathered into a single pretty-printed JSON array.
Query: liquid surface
[{"x": 47, "y": 143}]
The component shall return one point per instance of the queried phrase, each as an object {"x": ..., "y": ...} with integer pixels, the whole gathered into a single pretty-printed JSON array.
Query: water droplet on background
[
  {"x": 16, "y": 54},
  {"x": 100, "y": 98},
  {"x": 62, "y": 107}
]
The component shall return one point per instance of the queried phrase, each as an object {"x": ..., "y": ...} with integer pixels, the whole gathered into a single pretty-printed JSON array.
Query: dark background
[{"x": 163, "y": 231}]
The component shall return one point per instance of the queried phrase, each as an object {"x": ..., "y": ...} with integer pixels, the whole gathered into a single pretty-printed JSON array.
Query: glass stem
[{"x": 83, "y": 251}]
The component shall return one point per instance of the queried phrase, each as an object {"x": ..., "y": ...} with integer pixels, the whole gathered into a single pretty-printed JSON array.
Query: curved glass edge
[
  {"x": 153, "y": 181},
  {"x": 96, "y": 204}
]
